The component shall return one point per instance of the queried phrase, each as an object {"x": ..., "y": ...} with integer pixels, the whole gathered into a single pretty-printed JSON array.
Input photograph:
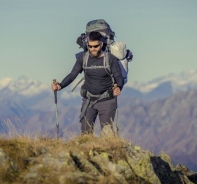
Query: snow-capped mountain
[
  {"x": 179, "y": 82},
  {"x": 159, "y": 87},
  {"x": 22, "y": 86},
  {"x": 29, "y": 88}
]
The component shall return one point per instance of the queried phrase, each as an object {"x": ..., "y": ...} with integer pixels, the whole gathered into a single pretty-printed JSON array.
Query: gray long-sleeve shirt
[{"x": 98, "y": 80}]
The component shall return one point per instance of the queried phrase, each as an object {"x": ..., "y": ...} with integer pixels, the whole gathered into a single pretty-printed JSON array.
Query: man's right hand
[{"x": 55, "y": 86}]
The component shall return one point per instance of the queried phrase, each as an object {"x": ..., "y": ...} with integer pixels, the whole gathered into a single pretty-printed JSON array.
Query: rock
[
  {"x": 137, "y": 148},
  {"x": 84, "y": 164},
  {"x": 164, "y": 172},
  {"x": 192, "y": 176},
  {"x": 143, "y": 169},
  {"x": 106, "y": 155},
  {"x": 164, "y": 156},
  {"x": 119, "y": 163},
  {"x": 50, "y": 166},
  {"x": 107, "y": 132}
]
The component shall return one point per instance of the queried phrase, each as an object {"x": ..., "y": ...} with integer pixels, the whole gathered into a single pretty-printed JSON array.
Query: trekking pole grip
[{"x": 55, "y": 92}]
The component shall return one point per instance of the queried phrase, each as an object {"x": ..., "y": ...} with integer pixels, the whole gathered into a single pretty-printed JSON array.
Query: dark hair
[{"x": 95, "y": 36}]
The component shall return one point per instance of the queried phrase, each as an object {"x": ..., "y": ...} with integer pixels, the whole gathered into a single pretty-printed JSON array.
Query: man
[{"x": 100, "y": 91}]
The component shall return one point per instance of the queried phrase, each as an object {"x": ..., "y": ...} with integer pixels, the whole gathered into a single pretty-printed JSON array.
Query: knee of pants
[
  {"x": 107, "y": 110},
  {"x": 107, "y": 118}
]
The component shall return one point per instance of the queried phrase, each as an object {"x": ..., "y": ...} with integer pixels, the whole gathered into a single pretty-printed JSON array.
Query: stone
[{"x": 107, "y": 132}]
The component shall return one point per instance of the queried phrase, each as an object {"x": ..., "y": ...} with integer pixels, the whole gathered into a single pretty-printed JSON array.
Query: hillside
[
  {"x": 159, "y": 115},
  {"x": 167, "y": 124},
  {"x": 86, "y": 159},
  {"x": 162, "y": 125}
]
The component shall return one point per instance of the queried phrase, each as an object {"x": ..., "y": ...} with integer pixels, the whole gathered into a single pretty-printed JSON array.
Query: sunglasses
[{"x": 94, "y": 46}]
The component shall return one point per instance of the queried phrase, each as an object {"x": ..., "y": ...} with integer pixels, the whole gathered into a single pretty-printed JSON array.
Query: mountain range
[{"x": 160, "y": 115}]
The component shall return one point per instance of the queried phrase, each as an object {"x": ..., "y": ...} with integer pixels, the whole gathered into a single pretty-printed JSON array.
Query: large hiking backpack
[
  {"x": 118, "y": 49},
  {"x": 101, "y": 26}
]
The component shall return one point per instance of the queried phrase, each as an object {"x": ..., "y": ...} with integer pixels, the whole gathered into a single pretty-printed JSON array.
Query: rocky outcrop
[{"x": 87, "y": 159}]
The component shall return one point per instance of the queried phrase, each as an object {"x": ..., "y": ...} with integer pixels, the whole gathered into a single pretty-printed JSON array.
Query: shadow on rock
[{"x": 163, "y": 171}]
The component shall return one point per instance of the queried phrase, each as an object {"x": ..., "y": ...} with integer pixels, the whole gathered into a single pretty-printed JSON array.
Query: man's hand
[
  {"x": 55, "y": 86},
  {"x": 116, "y": 90}
]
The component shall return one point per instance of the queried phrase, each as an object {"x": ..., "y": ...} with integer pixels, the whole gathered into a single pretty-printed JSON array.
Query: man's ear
[{"x": 101, "y": 44}]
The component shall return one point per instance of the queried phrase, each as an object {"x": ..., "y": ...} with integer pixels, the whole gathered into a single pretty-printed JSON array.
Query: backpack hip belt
[{"x": 90, "y": 104}]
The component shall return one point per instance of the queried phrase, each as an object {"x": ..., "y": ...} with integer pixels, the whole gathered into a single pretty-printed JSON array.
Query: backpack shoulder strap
[
  {"x": 106, "y": 61},
  {"x": 107, "y": 64},
  {"x": 85, "y": 59}
]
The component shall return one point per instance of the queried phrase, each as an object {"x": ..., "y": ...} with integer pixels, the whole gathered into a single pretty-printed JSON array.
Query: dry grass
[
  {"x": 86, "y": 143},
  {"x": 21, "y": 148}
]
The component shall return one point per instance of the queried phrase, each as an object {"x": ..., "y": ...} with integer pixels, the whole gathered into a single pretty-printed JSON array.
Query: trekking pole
[
  {"x": 116, "y": 116},
  {"x": 117, "y": 127},
  {"x": 57, "y": 122}
]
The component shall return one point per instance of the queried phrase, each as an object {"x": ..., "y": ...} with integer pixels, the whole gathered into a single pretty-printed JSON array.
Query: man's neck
[{"x": 101, "y": 54}]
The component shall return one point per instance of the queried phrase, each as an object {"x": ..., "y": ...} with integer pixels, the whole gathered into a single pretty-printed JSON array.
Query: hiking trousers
[{"x": 106, "y": 111}]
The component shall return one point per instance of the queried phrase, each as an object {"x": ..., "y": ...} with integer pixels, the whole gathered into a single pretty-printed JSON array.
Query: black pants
[{"x": 106, "y": 111}]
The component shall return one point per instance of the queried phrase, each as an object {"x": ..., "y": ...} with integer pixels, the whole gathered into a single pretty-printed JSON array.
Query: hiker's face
[{"x": 95, "y": 48}]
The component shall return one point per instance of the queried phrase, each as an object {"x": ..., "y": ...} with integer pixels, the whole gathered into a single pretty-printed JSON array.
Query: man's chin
[{"x": 95, "y": 54}]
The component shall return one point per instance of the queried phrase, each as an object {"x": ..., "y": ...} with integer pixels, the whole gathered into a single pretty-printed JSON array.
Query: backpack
[
  {"x": 101, "y": 26},
  {"x": 118, "y": 49}
]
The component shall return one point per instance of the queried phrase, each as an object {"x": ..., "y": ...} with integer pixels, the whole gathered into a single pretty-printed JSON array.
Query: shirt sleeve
[
  {"x": 77, "y": 68},
  {"x": 116, "y": 71}
]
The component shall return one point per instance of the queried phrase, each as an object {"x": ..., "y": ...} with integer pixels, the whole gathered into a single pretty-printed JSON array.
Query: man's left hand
[{"x": 116, "y": 90}]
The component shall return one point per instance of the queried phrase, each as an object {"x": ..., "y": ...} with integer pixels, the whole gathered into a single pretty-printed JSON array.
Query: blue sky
[{"x": 38, "y": 37}]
